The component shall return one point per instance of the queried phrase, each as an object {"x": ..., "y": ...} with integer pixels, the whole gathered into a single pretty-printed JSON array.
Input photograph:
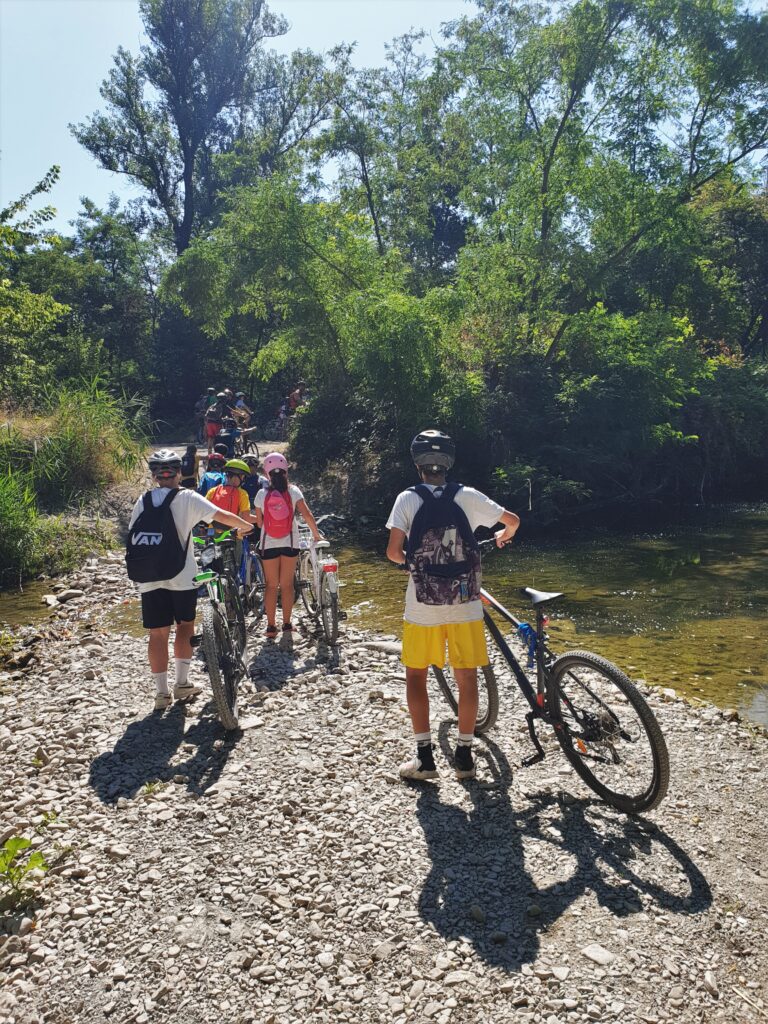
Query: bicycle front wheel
[
  {"x": 221, "y": 660},
  {"x": 305, "y": 582},
  {"x": 329, "y": 610},
  {"x": 254, "y": 586},
  {"x": 608, "y": 732},
  {"x": 487, "y": 693},
  {"x": 234, "y": 611}
]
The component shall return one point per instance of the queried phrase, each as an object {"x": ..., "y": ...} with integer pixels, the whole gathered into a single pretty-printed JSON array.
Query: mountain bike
[
  {"x": 223, "y": 634},
  {"x": 601, "y": 721},
  {"x": 317, "y": 582},
  {"x": 216, "y": 551}
]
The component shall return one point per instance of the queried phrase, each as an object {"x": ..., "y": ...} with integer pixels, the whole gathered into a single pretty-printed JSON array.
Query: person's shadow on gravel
[
  {"x": 143, "y": 754},
  {"x": 479, "y": 889},
  {"x": 272, "y": 665}
]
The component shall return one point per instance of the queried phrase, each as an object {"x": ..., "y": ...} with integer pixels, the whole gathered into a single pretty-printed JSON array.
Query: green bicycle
[{"x": 223, "y": 635}]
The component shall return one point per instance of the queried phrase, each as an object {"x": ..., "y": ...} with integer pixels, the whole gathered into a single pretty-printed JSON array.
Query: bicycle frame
[{"x": 536, "y": 697}]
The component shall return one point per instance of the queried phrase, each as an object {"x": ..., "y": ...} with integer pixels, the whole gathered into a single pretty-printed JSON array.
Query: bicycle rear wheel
[
  {"x": 608, "y": 732},
  {"x": 250, "y": 447},
  {"x": 222, "y": 663},
  {"x": 487, "y": 692},
  {"x": 329, "y": 610}
]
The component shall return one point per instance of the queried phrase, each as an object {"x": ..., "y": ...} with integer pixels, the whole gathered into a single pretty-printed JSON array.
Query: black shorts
[
  {"x": 161, "y": 607},
  {"x": 277, "y": 552}
]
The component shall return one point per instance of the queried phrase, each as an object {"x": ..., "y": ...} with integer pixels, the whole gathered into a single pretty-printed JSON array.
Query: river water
[{"x": 684, "y": 607}]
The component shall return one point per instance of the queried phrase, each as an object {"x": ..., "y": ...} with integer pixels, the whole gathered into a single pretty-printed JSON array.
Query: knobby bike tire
[
  {"x": 329, "y": 610},
  {"x": 254, "y": 590},
  {"x": 305, "y": 583},
  {"x": 561, "y": 707},
  {"x": 488, "y": 711},
  {"x": 220, "y": 659},
  {"x": 234, "y": 610}
]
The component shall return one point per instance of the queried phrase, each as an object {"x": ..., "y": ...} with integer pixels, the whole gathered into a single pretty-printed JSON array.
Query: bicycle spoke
[{"x": 608, "y": 732}]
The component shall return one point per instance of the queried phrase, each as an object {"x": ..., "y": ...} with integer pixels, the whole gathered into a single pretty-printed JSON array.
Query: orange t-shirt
[{"x": 230, "y": 499}]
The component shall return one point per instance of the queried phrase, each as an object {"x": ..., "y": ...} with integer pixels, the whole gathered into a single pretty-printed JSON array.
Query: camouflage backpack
[{"x": 443, "y": 555}]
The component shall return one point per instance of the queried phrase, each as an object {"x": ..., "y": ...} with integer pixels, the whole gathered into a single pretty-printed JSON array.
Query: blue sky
[{"x": 54, "y": 55}]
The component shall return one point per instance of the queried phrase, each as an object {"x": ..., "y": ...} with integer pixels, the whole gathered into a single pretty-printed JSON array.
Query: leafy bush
[
  {"x": 16, "y": 872},
  {"x": 83, "y": 440}
]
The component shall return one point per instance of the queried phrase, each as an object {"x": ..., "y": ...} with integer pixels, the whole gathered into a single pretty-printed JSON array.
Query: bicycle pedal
[
  {"x": 196, "y": 640},
  {"x": 342, "y": 616}
]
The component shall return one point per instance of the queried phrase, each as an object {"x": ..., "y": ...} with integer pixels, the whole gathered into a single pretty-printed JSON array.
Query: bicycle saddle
[
  {"x": 540, "y": 596},
  {"x": 320, "y": 544}
]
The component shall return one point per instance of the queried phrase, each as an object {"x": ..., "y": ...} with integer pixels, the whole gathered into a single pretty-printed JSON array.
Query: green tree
[{"x": 182, "y": 101}]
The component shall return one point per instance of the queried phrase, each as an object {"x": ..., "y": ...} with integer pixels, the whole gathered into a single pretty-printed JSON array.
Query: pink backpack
[{"x": 278, "y": 514}]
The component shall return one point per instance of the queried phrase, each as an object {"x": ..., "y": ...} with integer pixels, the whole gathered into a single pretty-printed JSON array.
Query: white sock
[
  {"x": 182, "y": 671},
  {"x": 161, "y": 681},
  {"x": 465, "y": 739},
  {"x": 422, "y": 738}
]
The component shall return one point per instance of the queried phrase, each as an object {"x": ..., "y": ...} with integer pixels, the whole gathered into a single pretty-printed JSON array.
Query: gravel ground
[{"x": 286, "y": 874}]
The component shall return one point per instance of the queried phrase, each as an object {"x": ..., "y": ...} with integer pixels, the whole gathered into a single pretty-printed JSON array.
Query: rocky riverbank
[{"x": 286, "y": 874}]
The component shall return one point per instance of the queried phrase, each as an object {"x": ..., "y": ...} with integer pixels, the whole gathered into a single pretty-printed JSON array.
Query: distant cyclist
[
  {"x": 214, "y": 473},
  {"x": 432, "y": 531},
  {"x": 190, "y": 467},
  {"x": 254, "y": 482},
  {"x": 214, "y": 414}
]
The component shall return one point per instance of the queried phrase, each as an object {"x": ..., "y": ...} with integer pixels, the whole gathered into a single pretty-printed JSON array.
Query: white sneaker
[
  {"x": 185, "y": 691},
  {"x": 419, "y": 769},
  {"x": 162, "y": 701}
]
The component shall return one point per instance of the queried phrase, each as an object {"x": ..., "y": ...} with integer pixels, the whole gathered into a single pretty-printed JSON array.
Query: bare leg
[
  {"x": 272, "y": 581},
  {"x": 466, "y": 680},
  {"x": 418, "y": 699},
  {"x": 182, "y": 647},
  {"x": 158, "y": 648},
  {"x": 287, "y": 569}
]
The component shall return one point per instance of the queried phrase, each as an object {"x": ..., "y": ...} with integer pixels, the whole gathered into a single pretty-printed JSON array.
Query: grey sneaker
[
  {"x": 162, "y": 701},
  {"x": 186, "y": 691},
  {"x": 420, "y": 767}
]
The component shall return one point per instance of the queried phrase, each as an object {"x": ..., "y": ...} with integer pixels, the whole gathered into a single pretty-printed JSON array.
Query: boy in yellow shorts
[{"x": 432, "y": 531}]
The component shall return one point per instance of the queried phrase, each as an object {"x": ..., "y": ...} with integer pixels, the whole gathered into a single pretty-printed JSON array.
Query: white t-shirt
[
  {"x": 480, "y": 511},
  {"x": 188, "y": 509},
  {"x": 289, "y": 541}
]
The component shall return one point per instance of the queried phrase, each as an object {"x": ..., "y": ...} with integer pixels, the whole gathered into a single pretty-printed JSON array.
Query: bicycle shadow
[
  {"x": 144, "y": 752},
  {"x": 479, "y": 888}
]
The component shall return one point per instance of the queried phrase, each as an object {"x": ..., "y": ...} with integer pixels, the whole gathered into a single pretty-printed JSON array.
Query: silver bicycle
[{"x": 317, "y": 580}]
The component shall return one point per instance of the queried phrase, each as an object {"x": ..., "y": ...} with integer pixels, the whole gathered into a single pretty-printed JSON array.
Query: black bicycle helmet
[
  {"x": 433, "y": 448},
  {"x": 252, "y": 460},
  {"x": 164, "y": 459}
]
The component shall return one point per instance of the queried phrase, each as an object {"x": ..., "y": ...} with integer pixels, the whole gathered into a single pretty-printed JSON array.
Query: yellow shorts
[{"x": 425, "y": 645}]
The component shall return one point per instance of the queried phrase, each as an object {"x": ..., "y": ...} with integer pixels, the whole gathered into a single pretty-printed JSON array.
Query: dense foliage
[{"x": 549, "y": 237}]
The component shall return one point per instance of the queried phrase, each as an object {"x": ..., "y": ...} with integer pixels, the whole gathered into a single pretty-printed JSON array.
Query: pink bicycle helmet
[{"x": 275, "y": 461}]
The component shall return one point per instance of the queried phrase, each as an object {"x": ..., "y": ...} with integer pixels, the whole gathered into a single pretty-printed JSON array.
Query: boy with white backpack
[
  {"x": 432, "y": 532},
  {"x": 275, "y": 511}
]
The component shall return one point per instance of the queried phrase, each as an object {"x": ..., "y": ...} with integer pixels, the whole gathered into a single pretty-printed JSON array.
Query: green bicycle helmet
[{"x": 237, "y": 466}]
